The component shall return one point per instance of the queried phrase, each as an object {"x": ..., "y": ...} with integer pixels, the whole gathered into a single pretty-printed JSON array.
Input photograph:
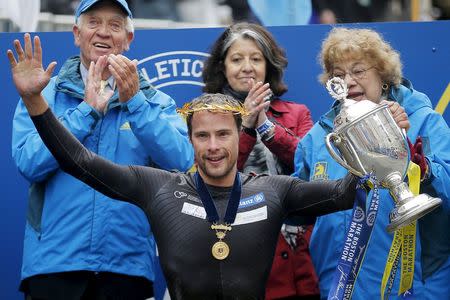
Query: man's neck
[{"x": 226, "y": 181}]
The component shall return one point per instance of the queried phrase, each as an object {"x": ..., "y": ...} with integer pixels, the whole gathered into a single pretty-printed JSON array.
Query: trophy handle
[{"x": 337, "y": 157}]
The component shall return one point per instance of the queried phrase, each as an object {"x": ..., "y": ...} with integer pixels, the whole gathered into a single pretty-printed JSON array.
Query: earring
[{"x": 385, "y": 87}]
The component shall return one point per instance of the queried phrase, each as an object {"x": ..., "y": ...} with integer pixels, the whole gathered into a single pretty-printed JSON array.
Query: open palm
[
  {"x": 94, "y": 93},
  {"x": 28, "y": 73}
]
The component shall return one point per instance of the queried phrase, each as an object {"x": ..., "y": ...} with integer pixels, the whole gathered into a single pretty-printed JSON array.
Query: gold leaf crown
[{"x": 227, "y": 106}]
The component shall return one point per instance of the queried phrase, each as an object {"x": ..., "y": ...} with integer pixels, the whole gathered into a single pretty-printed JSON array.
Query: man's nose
[
  {"x": 104, "y": 29},
  {"x": 213, "y": 143}
]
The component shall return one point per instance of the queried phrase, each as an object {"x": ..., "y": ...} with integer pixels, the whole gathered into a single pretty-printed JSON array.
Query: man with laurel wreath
[{"x": 216, "y": 229}]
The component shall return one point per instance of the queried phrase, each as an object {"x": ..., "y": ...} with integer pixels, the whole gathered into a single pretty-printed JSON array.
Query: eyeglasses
[{"x": 356, "y": 73}]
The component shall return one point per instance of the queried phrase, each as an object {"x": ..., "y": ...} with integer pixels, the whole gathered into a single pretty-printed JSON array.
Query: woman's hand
[
  {"x": 398, "y": 113},
  {"x": 254, "y": 103}
]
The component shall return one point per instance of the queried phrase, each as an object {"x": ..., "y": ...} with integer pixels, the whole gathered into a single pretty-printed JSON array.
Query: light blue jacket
[
  {"x": 432, "y": 267},
  {"x": 71, "y": 226}
]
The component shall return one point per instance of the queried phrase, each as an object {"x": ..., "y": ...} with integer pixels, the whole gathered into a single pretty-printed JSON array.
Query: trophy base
[{"x": 411, "y": 210}]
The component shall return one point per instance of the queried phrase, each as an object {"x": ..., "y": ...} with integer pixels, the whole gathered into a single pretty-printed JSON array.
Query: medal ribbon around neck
[{"x": 220, "y": 249}]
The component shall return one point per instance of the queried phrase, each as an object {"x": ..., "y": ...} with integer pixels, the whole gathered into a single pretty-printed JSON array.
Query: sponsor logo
[
  {"x": 252, "y": 200},
  {"x": 320, "y": 171},
  {"x": 359, "y": 214},
  {"x": 371, "y": 218},
  {"x": 182, "y": 180},
  {"x": 179, "y": 194},
  {"x": 125, "y": 126},
  {"x": 174, "y": 68}
]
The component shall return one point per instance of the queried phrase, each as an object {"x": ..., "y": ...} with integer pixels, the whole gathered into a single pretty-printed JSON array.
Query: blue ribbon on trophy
[{"x": 356, "y": 239}]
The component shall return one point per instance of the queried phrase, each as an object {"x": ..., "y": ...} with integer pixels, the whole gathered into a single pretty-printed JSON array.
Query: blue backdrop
[{"x": 173, "y": 61}]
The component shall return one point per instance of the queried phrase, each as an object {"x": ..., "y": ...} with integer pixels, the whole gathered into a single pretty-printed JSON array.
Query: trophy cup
[{"x": 369, "y": 140}]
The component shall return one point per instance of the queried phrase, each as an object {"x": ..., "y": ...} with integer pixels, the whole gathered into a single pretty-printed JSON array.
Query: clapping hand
[
  {"x": 255, "y": 104},
  {"x": 28, "y": 74},
  {"x": 125, "y": 73},
  {"x": 94, "y": 93}
]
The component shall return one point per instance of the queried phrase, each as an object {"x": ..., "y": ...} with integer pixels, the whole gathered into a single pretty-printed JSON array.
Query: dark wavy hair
[{"x": 276, "y": 61}]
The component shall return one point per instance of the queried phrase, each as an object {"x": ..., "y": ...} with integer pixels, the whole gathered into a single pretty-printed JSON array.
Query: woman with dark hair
[{"x": 247, "y": 63}]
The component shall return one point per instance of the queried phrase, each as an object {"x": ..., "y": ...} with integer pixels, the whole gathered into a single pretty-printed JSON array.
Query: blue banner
[{"x": 173, "y": 61}]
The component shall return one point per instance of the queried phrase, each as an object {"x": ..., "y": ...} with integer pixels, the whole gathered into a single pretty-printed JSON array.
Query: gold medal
[{"x": 220, "y": 250}]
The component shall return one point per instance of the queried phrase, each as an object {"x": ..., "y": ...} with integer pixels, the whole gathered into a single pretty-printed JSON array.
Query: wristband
[
  {"x": 268, "y": 134},
  {"x": 261, "y": 129}
]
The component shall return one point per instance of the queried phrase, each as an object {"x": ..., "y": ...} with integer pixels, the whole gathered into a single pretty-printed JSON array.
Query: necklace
[{"x": 220, "y": 249}]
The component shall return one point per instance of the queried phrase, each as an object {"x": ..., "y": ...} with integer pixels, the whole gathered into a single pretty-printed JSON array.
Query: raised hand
[
  {"x": 94, "y": 93},
  {"x": 255, "y": 104},
  {"x": 28, "y": 74},
  {"x": 398, "y": 113},
  {"x": 125, "y": 73}
]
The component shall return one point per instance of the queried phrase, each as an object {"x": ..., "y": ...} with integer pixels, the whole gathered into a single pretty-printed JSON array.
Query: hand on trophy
[
  {"x": 398, "y": 113},
  {"x": 418, "y": 157}
]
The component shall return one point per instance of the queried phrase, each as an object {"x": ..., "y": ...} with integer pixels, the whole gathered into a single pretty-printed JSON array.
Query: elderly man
[
  {"x": 216, "y": 229},
  {"x": 78, "y": 243}
]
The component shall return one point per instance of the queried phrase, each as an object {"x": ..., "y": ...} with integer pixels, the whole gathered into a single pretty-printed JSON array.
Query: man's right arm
[
  {"x": 127, "y": 183},
  {"x": 31, "y": 156}
]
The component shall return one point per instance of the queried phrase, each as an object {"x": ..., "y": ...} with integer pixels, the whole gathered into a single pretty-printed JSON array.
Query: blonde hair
[{"x": 343, "y": 44}]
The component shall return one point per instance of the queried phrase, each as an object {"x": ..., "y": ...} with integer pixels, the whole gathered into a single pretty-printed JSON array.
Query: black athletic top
[{"x": 177, "y": 216}]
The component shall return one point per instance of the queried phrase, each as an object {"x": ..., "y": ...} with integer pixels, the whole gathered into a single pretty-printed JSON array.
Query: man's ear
[
  {"x": 76, "y": 35},
  {"x": 130, "y": 37}
]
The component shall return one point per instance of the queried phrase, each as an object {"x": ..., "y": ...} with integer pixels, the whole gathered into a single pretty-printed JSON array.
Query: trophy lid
[{"x": 350, "y": 109}]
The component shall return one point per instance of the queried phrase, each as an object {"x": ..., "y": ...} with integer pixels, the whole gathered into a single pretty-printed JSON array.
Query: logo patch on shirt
[
  {"x": 245, "y": 217},
  {"x": 320, "y": 171},
  {"x": 179, "y": 194},
  {"x": 251, "y": 216},
  {"x": 125, "y": 126},
  {"x": 252, "y": 200},
  {"x": 193, "y": 210}
]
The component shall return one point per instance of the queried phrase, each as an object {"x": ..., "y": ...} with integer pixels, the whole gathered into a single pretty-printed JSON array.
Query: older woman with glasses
[{"x": 372, "y": 70}]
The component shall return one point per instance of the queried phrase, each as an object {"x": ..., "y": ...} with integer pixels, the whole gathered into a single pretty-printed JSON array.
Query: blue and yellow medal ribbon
[{"x": 404, "y": 243}]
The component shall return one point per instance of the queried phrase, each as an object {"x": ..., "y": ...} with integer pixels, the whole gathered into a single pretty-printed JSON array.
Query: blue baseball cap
[{"x": 87, "y": 4}]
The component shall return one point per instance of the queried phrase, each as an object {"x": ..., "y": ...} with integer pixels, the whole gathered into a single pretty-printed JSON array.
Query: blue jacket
[
  {"x": 71, "y": 226},
  {"x": 432, "y": 267}
]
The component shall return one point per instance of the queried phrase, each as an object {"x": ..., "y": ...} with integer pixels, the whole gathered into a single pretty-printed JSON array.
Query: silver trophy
[{"x": 369, "y": 140}]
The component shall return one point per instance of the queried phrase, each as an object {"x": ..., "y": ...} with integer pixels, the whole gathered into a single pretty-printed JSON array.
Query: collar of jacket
[
  {"x": 69, "y": 81},
  {"x": 410, "y": 99},
  {"x": 279, "y": 106}
]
